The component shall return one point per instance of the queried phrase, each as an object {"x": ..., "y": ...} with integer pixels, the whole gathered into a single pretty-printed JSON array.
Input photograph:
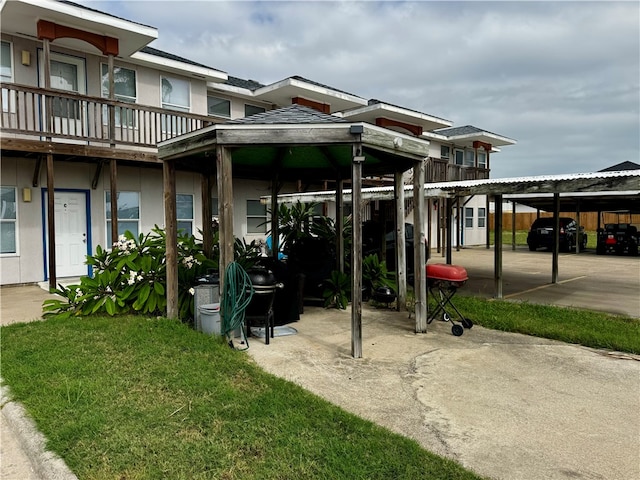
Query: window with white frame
[
  {"x": 175, "y": 94},
  {"x": 468, "y": 217},
  {"x": 256, "y": 217},
  {"x": 482, "y": 159},
  {"x": 459, "y": 157},
  {"x": 8, "y": 221},
  {"x": 252, "y": 110},
  {"x": 184, "y": 213},
  {"x": 482, "y": 217},
  {"x": 6, "y": 74},
  {"x": 125, "y": 90},
  {"x": 469, "y": 158},
  {"x": 219, "y": 107},
  {"x": 445, "y": 152},
  {"x": 128, "y": 213}
]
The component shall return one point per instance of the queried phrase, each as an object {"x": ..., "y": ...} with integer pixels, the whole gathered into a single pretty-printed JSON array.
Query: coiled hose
[{"x": 236, "y": 295}]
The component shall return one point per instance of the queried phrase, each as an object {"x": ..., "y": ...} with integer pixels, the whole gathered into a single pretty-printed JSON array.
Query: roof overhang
[
  {"x": 600, "y": 191},
  {"x": 20, "y": 17},
  {"x": 467, "y": 140},
  {"x": 370, "y": 113},
  {"x": 179, "y": 68},
  {"x": 281, "y": 93},
  {"x": 311, "y": 152}
]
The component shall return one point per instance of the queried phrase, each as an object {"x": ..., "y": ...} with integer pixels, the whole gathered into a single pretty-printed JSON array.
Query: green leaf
[
  {"x": 110, "y": 306},
  {"x": 159, "y": 288}
]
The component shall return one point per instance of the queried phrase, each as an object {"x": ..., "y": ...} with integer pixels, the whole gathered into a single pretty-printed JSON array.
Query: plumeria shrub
[{"x": 132, "y": 278}]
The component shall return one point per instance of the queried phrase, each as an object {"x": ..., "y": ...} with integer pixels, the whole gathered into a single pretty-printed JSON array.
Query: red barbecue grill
[{"x": 443, "y": 282}]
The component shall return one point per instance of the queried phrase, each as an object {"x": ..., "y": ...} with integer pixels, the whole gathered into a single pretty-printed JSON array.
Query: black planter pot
[{"x": 384, "y": 295}]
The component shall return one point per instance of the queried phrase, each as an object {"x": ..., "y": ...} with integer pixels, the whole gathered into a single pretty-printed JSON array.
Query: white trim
[
  {"x": 15, "y": 222},
  {"x": 311, "y": 87},
  {"x": 180, "y": 68}
]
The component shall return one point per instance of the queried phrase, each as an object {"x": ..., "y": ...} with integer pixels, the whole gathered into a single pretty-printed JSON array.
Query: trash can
[
  {"x": 206, "y": 292},
  {"x": 210, "y": 318}
]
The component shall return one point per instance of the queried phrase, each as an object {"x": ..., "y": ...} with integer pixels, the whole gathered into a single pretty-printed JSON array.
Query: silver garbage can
[
  {"x": 210, "y": 318},
  {"x": 204, "y": 294}
]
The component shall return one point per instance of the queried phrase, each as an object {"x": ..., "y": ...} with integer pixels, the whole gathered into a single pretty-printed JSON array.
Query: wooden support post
[
  {"x": 171, "y": 229},
  {"x": 207, "y": 234},
  {"x": 419, "y": 254},
  {"x": 486, "y": 224},
  {"x": 459, "y": 224},
  {"x": 578, "y": 235},
  {"x": 340, "y": 225},
  {"x": 513, "y": 225},
  {"x": 400, "y": 234},
  {"x": 448, "y": 225},
  {"x": 356, "y": 252},
  {"x": 113, "y": 183},
  {"x": 46, "y": 60},
  {"x": 497, "y": 263},
  {"x": 275, "y": 233},
  {"x": 225, "y": 209},
  {"x": 556, "y": 238},
  {"x": 112, "y": 108},
  {"x": 51, "y": 227}
]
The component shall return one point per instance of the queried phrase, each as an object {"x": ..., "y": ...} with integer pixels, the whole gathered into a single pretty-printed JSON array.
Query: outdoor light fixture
[
  {"x": 26, "y": 58},
  {"x": 26, "y": 194}
]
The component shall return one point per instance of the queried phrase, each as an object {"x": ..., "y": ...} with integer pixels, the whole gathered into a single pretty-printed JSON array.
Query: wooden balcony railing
[
  {"x": 37, "y": 113},
  {"x": 442, "y": 171}
]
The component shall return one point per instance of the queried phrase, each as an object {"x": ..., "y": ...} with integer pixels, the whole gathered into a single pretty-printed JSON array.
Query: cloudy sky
[{"x": 561, "y": 78}]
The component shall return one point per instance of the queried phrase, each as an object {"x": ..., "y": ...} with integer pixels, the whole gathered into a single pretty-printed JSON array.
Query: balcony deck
[{"x": 38, "y": 120}]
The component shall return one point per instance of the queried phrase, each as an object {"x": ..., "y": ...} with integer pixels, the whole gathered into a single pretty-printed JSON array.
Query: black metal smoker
[{"x": 259, "y": 312}]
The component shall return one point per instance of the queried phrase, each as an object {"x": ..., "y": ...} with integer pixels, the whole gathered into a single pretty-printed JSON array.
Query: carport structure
[
  {"x": 596, "y": 192},
  {"x": 297, "y": 143}
]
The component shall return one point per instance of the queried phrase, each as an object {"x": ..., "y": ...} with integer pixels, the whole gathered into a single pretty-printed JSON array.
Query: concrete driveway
[{"x": 507, "y": 406}]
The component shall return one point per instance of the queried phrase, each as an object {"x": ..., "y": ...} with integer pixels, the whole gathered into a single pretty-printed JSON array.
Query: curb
[{"x": 47, "y": 465}]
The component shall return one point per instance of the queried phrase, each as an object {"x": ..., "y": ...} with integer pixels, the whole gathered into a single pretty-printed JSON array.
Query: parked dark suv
[{"x": 541, "y": 234}]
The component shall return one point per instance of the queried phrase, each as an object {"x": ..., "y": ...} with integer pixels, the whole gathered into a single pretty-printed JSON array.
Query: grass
[
  {"x": 570, "y": 325},
  {"x": 521, "y": 238},
  {"x": 140, "y": 398}
]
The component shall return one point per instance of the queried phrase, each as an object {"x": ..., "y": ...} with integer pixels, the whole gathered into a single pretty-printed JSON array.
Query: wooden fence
[{"x": 589, "y": 220}]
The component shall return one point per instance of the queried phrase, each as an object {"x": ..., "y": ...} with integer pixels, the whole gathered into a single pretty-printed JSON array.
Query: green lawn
[
  {"x": 141, "y": 398},
  {"x": 521, "y": 238}
]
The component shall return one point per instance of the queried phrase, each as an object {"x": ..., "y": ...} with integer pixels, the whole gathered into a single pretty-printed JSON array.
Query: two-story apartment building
[{"x": 85, "y": 101}]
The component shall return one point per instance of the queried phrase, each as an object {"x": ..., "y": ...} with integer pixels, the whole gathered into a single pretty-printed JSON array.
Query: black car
[
  {"x": 618, "y": 238},
  {"x": 541, "y": 234}
]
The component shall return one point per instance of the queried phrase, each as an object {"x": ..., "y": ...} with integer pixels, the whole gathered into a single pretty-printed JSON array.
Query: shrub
[{"x": 132, "y": 278}]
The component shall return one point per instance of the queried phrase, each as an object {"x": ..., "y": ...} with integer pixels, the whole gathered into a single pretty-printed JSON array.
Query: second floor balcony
[{"x": 48, "y": 115}]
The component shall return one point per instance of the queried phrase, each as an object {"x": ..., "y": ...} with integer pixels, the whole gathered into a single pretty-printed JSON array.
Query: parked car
[
  {"x": 618, "y": 238},
  {"x": 541, "y": 234}
]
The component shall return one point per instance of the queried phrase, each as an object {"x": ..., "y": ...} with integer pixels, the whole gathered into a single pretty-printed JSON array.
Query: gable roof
[
  {"x": 621, "y": 166},
  {"x": 292, "y": 114}
]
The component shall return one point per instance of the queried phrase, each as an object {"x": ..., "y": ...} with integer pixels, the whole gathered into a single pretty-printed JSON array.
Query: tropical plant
[
  {"x": 132, "y": 278},
  {"x": 375, "y": 273},
  {"x": 337, "y": 290}
]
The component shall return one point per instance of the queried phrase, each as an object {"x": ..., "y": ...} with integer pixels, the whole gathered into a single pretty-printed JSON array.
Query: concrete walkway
[{"x": 507, "y": 406}]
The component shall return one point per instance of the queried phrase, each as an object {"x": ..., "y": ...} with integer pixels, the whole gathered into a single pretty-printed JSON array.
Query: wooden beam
[
  {"x": 513, "y": 226},
  {"x": 556, "y": 238},
  {"x": 310, "y": 135},
  {"x": 207, "y": 234},
  {"x": 171, "y": 230},
  {"x": 356, "y": 253},
  {"x": 76, "y": 150},
  {"x": 497, "y": 245},
  {"x": 448, "y": 225},
  {"x": 340, "y": 225},
  {"x": 419, "y": 254},
  {"x": 96, "y": 175},
  {"x": 36, "y": 171},
  {"x": 401, "y": 257},
  {"x": 225, "y": 209},
  {"x": 113, "y": 189},
  {"x": 51, "y": 227}
]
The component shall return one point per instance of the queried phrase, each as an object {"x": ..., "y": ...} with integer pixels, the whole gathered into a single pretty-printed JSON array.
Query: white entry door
[{"x": 71, "y": 234}]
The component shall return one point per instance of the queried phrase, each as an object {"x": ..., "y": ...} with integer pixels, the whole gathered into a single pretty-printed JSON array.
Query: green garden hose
[{"x": 236, "y": 295}]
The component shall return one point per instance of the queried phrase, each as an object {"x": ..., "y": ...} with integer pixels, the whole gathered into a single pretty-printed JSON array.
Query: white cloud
[{"x": 562, "y": 78}]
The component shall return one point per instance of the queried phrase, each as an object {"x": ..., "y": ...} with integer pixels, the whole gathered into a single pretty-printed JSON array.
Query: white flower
[
  {"x": 139, "y": 278},
  {"x": 192, "y": 291}
]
